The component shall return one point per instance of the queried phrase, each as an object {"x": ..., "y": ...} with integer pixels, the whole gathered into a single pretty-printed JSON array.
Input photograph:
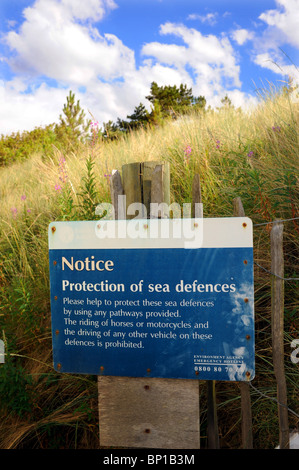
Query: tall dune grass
[{"x": 252, "y": 155}]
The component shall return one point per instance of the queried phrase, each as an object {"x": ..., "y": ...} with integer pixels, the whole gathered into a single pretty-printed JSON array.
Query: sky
[{"x": 108, "y": 52}]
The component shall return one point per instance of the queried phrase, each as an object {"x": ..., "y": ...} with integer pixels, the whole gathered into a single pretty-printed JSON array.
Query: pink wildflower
[
  {"x": 58, "y": 187},
  {"x": 94, "y": 125},
  {"x": 187, "y": 154},
  {"x": 23, "y": 197},
  {"x": 62, "y": 170}
]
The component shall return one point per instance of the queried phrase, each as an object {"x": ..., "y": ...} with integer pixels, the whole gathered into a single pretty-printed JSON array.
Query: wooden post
[
  {"x": 238, "y": 207},
  {"x": 213, "y": 434},
  {"x": 138, "y": 182},
  {"x": 197, "y": 207},
  {"x": 277, "y": 308},
  {"x": 247, "y": 440},
  {"x": 157, "y": 191},
  {"x": 117, "y": 191},
  {"x": 147, "y": 412}
]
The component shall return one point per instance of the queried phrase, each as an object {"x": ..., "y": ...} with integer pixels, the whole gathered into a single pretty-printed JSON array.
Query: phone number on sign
[{"x": 214, "y": 368}]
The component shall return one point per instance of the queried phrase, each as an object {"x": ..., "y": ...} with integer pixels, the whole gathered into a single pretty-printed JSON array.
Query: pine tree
[
  {"x": 166, "y": 102},
  {"x": 156, "y": 116},
  {"x": 199, "y": 103},
  {"x": 72, "y": 124},
  {"x": 111, "y": 130},
  {"x": 139, "y": 117},
  {"x": 227, "y": 102},
  {"x": 171, "y": 99}
]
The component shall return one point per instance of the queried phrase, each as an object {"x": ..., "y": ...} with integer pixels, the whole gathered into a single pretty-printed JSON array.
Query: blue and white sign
[{"x": 153, "y": 298}]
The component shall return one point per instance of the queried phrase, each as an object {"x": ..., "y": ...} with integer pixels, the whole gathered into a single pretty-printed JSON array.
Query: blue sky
[{"x": 109, "y": 51}]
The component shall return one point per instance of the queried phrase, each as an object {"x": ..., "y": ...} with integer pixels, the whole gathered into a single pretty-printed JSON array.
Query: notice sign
[{"x": 153, "y": 298}]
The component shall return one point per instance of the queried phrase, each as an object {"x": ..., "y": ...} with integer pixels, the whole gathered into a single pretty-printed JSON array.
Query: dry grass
[{"x": 253, "y": 155}]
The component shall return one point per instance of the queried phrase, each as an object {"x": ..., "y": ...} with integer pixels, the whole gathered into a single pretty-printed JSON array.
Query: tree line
[{"x": 166, "y": 102}]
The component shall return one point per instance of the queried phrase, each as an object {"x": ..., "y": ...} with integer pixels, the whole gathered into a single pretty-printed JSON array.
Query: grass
[{"x": 252, "y": 155}]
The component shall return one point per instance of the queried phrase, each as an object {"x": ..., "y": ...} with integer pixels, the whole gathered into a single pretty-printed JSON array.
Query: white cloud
[
  {"x": 285, "y": 20},
  {"x": 272, "y": 62},
  {"x": 57, "y": 41},
  {"x": 93, "y": 9},
  {"x": 242, "y": 35},
  {"x": 51, "y": 43},
  {"x": 24, "y": 111},
  {"x": 211, "y": 59},
  {"x": 242, "y": 100},
  {"x": 210, "y": 18},
  {"x": 282, "y": 29},
  {"x": 166, "y": 53},
  {"x": 266, "y": 60}
]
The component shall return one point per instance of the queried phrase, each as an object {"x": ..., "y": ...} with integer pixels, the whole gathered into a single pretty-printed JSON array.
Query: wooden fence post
[
  {"x": 212, "y": 431},
  {"x": 247, "y": 440},
  {"x": 277, "y": 308},
  {"x": 117, "y": 190},
  {"x": 137, "y": 180},
  {"x": 197, "y": 207},
  {"x": 147, "y": 412}
]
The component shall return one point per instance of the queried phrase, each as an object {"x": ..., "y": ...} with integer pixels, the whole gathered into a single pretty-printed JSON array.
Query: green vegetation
[
  {"x": 20, "y": 146},
  {"x": 251, "y": 155},
  {"x": 167, "y": 102},
  {"x": 72, "y": 129},
  {"x": 72, "y": 126}
]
